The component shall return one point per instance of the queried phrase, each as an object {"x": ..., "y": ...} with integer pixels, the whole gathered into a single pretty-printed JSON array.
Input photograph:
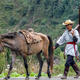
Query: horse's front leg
[
  {"x": 26, "y": 67},
  {"x": 11, "y": 65}
]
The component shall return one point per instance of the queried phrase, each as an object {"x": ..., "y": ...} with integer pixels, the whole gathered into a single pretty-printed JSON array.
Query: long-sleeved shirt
[{"x": 67, "y": 37}]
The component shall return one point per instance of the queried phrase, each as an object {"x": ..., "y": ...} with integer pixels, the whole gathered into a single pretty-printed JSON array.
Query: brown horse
[{"x": 17, "y": 43}]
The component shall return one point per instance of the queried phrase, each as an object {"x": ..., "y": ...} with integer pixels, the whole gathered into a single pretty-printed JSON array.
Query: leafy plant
[{"x": 2, "y": 62}]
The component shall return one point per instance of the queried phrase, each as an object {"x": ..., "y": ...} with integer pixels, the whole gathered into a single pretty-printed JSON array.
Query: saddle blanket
[{"x": 31, "y": 37}]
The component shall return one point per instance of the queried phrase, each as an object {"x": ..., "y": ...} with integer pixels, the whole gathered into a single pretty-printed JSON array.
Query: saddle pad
[{"x": 31, "y": 37}]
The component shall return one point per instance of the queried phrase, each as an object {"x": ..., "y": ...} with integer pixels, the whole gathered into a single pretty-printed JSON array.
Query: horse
[{"x": 17, "y": 43}]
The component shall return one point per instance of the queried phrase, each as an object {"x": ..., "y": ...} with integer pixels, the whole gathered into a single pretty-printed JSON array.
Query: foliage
[
  {"x": 8, "y": 58},
  {"x": 3, "y": 75},
  {"x": 2, "y": 62},
  {"x": 15, "y": 74},
  {"x": 57, "y": 51},
  {"x": 57, "y": 70},
  {"x": 32, "y": 74},
  {"x": 79, "y": 47},
  {"x": 44, "y": 16}
]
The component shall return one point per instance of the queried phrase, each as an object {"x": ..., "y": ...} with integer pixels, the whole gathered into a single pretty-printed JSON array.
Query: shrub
[
  {"x": 12, "y": 21},
  {"x": 57, "y": 51},
  {"x": 2, "y": 62}
]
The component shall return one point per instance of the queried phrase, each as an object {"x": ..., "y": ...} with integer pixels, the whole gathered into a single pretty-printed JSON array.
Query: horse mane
[{"x": 9, "y": 35}]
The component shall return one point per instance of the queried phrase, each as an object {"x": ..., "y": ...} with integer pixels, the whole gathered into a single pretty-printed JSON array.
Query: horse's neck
[{"x": 8, "y": 35}]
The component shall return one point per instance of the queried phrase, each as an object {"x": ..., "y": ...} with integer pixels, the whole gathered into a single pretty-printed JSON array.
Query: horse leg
[
  {"x": 48, "y": 68},
  {"x": 40, "y": 63},
  {"x": 11, "y": 65},
  {"x": 26, "y": 67},
  {"x": 48, "y": 61}
]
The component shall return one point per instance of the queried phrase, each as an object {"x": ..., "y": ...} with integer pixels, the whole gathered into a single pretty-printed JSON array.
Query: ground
[{"x": 44, "y": 78}]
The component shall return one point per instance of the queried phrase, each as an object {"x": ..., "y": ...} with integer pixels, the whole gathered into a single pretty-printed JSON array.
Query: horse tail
[{"x": 50, "y": 51}]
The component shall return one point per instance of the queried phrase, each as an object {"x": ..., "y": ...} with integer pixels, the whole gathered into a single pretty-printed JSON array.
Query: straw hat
[{"x": 67, "y": 22}]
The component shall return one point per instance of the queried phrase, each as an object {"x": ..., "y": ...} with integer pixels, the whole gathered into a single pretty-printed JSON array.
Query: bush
[
  {"x": 2, "y": 62},
  {"x": 9, "y": 7},
  {"x": 57, "y": 51},
  {"x": 8, "y": 57},
  {"x": 12, "y": 21},
  {"x": 23, "y": 11}
]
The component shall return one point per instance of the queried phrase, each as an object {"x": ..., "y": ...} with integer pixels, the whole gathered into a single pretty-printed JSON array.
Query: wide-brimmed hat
[{"x": 67, "y": 22}]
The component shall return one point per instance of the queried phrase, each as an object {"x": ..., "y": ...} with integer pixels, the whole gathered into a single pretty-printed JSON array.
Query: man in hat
[{"x": 71, "y": 38}]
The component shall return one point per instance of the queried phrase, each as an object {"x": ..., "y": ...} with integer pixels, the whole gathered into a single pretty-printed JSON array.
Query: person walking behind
[{"x": 71, "y": 38}]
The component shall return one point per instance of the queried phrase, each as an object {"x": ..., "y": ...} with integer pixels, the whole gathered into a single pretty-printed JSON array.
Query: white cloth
[{"x": 67, "y": 37}]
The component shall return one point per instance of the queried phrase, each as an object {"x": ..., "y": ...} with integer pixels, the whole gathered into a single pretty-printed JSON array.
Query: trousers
[{"x": 69, "y": 61}]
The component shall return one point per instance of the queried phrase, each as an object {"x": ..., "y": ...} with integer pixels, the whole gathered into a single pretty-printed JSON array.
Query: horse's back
[
  {"x": 31, "y": 37},
  {"x": 33, "y": 42},
  {"x": 36, "y": 42}
]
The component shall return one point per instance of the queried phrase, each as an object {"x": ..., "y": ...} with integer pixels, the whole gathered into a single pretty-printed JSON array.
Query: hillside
[{"x": 44, "y": 16}]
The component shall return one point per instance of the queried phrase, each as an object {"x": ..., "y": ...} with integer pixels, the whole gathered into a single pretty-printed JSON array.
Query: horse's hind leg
[
  {"x": 26, "y": 67},
  {"x": 11, "y": 65},
  {"x": 48, "y": 61},
  {"x": 48, "y": 68},
  {"x": 40, "y": 63}
]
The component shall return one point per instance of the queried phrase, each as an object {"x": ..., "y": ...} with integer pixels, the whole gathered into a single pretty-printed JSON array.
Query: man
[{"x": 71, "y": 38}]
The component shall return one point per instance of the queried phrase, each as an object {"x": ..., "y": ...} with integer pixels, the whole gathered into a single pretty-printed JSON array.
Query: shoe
[
  {"x": 76, "y": 69},
  {"x": 65, "y": 72}
]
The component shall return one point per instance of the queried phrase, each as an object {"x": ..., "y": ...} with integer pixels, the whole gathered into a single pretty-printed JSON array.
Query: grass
[
  {"x": 57, "y": 70},
  {"x": 15, "y": 74}
]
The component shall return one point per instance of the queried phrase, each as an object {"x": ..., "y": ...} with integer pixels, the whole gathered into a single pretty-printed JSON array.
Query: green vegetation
[
  {"x": 2, "y": 62},
  {"x": 44, "y": 16},
  {"x": 57, "y": 70},
  {"x": 15, "y": 74}
]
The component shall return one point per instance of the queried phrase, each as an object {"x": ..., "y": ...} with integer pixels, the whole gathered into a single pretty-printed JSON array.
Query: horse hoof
[
  {"x": 49, "y": 75},
  {"x": 27, "y": 78},
  {"x": 6, "y": 78},
  {"x": 37, "y": 78}
]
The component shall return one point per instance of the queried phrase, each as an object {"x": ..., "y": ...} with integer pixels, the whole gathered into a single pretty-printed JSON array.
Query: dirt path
[{"x": 42, "y": 78}]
